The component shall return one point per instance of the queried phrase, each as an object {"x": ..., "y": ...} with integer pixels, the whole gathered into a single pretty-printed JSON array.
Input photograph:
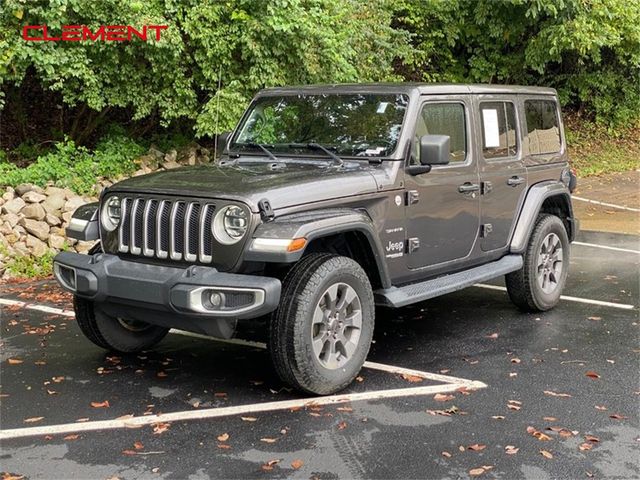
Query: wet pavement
[{"x": 562, "y": 392}]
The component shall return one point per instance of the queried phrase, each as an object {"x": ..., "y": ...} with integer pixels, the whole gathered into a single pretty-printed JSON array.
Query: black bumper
[{"x": 188, "y": 291}]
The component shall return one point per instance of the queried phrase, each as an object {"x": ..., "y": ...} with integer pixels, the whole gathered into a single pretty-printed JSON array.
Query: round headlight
[
  {"x": 230, "y": 224},
  {"x": 111, "y": 213}
]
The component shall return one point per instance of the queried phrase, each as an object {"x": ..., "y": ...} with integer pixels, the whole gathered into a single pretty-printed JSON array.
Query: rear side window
[
  {"x": 499, "y": 137},
  {"x": 543, "y": 132},
  {"x": 444, "y": 119}
]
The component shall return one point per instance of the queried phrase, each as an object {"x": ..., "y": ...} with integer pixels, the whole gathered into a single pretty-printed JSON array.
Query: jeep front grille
[{"x": 178, "y": 230}]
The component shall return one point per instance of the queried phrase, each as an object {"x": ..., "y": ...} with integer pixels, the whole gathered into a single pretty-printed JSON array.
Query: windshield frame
[{"x": 395, "y": 155}]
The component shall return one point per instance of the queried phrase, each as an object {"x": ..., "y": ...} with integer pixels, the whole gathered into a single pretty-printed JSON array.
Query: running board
[{"x": 418, "y": 292}]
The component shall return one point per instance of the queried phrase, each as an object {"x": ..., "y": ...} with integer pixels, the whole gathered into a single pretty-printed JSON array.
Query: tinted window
[
  {"x": 543, "y": 134},
  {"x": 444, "y": 119},
  {"x": 498, "y": 129}
]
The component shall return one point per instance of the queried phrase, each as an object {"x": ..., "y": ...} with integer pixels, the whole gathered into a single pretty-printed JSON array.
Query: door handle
[
  {"x": 515, "y": 181},
  {"x": 468, "y": 187}
]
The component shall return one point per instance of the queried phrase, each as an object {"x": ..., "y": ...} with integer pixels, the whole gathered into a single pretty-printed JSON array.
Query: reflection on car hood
[{"x": 284, "y": 185}]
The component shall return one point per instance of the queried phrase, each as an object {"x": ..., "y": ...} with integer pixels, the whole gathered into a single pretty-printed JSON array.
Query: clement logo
[{"x": 105, "y": 33}]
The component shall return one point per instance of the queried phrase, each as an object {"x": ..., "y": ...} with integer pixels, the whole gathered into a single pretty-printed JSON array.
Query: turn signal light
[{"x": 297, "y": 244}]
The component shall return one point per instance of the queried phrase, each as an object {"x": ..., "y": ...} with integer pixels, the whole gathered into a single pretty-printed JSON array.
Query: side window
[
  {"x": 444, "y": 119},
  {"x": 499, "y": 137},
  {"x": 543, "y": 133}
]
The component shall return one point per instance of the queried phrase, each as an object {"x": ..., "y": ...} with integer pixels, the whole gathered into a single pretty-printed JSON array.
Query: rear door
[{"x": 502, "y": 171}]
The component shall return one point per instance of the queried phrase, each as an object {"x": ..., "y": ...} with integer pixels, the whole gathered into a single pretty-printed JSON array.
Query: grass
[
  {"x": 31, "y": 267},
  {"x": 596, "y": 150}
]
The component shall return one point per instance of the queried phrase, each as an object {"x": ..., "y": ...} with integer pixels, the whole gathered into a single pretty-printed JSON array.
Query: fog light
[
  {"x": 66, "y": 276},
  {"x": 216, "y": 299}
]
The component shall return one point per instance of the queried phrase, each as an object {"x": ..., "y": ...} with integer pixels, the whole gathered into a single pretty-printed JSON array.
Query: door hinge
[
  {"x": 413, "y": 244},
  {"x": 485, "y": 230},
  {"x": 413, "y": 197},
  {"x": 486, "y": 187}
]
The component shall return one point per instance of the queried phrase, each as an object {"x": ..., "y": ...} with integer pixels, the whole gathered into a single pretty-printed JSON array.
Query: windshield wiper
[
  {"x": 316, "y": 146},
  {"x": 336, "y": 158},
  {"x": 263, "y": 148}
]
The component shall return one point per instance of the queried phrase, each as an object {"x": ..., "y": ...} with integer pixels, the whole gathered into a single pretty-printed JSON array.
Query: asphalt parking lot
[{"x": 495, "y": 393}]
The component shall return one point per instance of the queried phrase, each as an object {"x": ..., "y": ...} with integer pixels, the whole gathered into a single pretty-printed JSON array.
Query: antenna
[{"x": 215, "y": 143}]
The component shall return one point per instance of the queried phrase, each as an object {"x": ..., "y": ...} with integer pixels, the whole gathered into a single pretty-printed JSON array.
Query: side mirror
[
  {"x": 222, "y": 141},
  {"x": 434, "y": 149}
]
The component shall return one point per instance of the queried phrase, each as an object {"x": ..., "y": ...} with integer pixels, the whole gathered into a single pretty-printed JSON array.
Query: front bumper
[{"x": 195, "y": 291}]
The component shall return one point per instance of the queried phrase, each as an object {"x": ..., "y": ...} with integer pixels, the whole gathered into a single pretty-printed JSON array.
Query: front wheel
[
  {"x": 114, "y": 333},
  {"x": 321, "y": 333},
  {"x": 538, "y": 285}
]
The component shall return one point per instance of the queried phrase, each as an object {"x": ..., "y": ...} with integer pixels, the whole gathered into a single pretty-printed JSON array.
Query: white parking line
[
  {"x": 568, "y": 298},
  {"x": 604, "y": 204},
  {"x": 450, "y": 384},
  {"x": 605, "y": 247}
]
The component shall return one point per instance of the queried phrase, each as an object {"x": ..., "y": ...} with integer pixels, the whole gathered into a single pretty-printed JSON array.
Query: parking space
[{"x": 560, "y": 389}]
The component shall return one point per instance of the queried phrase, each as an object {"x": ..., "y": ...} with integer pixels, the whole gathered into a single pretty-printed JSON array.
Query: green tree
[
  {"x": 208, "y": 63},
  {"x": 587, "y": 49}
]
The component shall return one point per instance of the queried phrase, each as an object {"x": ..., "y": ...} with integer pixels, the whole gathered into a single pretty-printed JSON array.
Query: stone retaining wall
[{"x": 33, "y": 219}]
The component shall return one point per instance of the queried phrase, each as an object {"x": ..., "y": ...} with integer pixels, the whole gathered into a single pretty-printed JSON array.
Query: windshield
[{"x": 360, "y": 125}]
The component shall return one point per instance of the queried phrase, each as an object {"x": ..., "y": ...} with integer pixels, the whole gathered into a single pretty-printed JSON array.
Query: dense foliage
[
  {"x": 215, "y": 54},
  {"x": 587, "y": 49}
]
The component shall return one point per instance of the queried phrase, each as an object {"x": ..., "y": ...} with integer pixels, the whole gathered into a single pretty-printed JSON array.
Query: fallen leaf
[
  {"x": 84, "y": 419},
  {"x": 515, "y": 402},
  {"x": 592, "y": 374},
  {"x": 600, "y": 407},
  {"x": 549, "y": 419},
  {"x": 538, "y": 434},
  {"x": 220, "y": 395},
  {"x": 440, "y": 397},
  {"x": 498, "y": 417},
  {"x": 493, "y": 335},
  {"x": 411, "y": 378},
  {"x": 14, "y": 361},
  {"x": 565, "y": 433},
  {"x": 446, "y": 454},
  {"x": 104, "y": 404},
  {"x": 511, "y": 450},
  {"x": 546, "y": 454},
  {"x": 270, "y": 464},
  {"x": 513, "y": 374},
  {"x": 556, "y": 394},
  {"x": 474, "y": 472},
  {"x": 591, "y": 438},
  {"x": 33, "y": 419},
  {"x": 268, "y": 440},
  {"x": 342, "y": 425},
  {"x": 223, "y": 437},
  {"x": 72, "y": 437},
  {"x": 296, "y": 464},
  {"x": 359, "y": 379},
  {"x": 161, "y": 374},
  {"x": 515, "y": 360},
  {"x": 476, "y": 447},
  {"x": 159, "y": 428},
  {"x": 585, "y": 446},
  {"x": 128, "y": 452},
  {"x": 617, "y": 416},
  {"x": 223, "y": 446},
  {"x": 51, "y": 392},
  {"x": 138, "y": 445},
  {"x": 345, "y": 409},
  {"x": 249, "y": 419},
  {"x": 513, "y": 407},
  {"x": 594, "y": 318},
  {"x": 11, "y": 476},
  {"x": 58, "y": 379}
]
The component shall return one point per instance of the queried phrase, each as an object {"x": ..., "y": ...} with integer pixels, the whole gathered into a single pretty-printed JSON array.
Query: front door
[
  {"x": 502, "y": 171},
  {"x": 443, "y": 205}
]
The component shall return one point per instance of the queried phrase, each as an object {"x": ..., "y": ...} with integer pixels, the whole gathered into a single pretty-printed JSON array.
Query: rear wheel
[
  {"x": 321, "y": 333},
  {"x": 538, "y": 285},
  {"x": 114, "y": 333}
]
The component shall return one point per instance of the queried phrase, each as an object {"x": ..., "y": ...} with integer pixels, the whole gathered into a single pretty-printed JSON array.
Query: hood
[{"x": 285, "y": 185}]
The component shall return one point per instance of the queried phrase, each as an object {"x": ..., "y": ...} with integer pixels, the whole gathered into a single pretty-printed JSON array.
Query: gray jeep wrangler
[{"x": 328, "y": 201}]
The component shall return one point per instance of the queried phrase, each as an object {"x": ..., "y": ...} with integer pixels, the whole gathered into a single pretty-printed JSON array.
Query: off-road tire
[
  {"x": 107, "y": 332},
  {"x": 290, "y": 345},
  {"x": 522, "y": 285}
]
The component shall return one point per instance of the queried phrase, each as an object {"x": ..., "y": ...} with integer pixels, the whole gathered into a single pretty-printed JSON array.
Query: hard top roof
[{"x": 408, "y": 88}]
